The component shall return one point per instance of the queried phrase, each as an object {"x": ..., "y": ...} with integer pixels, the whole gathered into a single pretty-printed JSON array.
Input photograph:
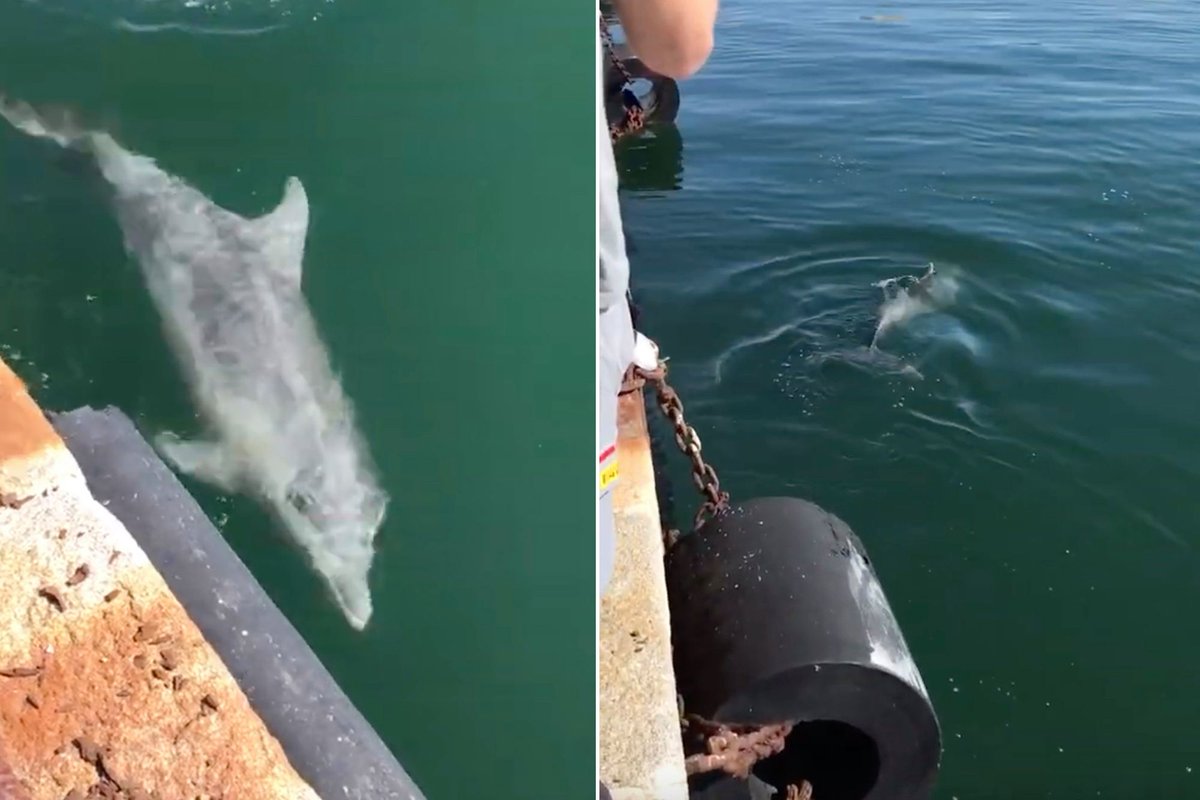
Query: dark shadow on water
[{"x": 651, "y": 161}]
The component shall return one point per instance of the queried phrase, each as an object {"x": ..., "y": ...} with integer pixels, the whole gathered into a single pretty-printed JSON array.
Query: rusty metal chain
[
  {"x": 735, "y": 749},
  {"x": 704, "y": 477},
  {"x": 731, "y": 748},
  {"x": 803, "y": 791},
  {"x": 635, "y": 116},
  {"x": 633, "y": 121},
  {"x": 611, "y": 49}
]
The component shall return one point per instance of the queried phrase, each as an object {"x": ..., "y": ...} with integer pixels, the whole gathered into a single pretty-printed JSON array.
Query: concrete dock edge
[
  {"x": 138, "y": 657},
  {"x": 641, "y": 754},
  {"x": 326, "y": 738}
]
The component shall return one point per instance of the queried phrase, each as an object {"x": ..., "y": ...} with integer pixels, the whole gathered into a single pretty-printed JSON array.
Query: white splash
[
  {"x": 908, "y": 296},
  {"x": 228, "y": 291},
  {"x": 189, "y": 17}
]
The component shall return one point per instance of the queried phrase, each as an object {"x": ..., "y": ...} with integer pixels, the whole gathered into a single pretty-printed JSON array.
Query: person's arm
[{"x": 672, "y": 37}]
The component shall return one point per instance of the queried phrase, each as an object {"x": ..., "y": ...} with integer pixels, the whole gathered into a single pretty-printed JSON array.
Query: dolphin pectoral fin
[{"x": 207, "y": 461}]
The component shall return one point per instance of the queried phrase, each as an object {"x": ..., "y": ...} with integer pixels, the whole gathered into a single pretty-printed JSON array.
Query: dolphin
[
  {"x": 923, "y": 286},
  {"x": 915, "y": 287},
  {"x": 227, "y": 289},
  {"x": 904, "y": 297}
]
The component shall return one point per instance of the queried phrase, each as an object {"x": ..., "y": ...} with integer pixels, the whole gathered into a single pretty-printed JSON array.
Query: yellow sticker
[{"x": 608, "y": 474}]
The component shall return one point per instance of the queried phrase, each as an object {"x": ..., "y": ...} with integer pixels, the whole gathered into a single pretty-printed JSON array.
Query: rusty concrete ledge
[
  {"x": 327, "y": 740},
  {"x": 641, "y": 756},
  {"x": 108, "y": 686}
]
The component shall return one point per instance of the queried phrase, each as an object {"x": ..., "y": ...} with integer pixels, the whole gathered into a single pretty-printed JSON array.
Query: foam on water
[
  {"x": 824, "y": 351},
  {"x": 198, "y": 30},
  {"x": 908, "y": 296},
  {"x": 195, "y": 17}
]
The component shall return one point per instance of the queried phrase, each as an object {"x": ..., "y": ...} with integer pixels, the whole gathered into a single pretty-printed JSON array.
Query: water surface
[
  {"x": 1030, "y": 504},
  {"x": 444, "y": 247}
]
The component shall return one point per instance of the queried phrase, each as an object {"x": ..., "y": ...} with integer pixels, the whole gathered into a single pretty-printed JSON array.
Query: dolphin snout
[{"x": 353, "y": 596}]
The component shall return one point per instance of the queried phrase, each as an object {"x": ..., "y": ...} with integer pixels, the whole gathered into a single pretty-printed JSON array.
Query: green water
[
  {"x": 446, "y": 150},
  {"x": 1031, "y": 504}
]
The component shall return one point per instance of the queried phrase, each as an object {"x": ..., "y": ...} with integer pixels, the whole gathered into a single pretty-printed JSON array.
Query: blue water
[{"x": 1030, "y": 504}]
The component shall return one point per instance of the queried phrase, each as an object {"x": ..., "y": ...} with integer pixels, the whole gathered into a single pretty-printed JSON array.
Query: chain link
[
  {"x": 735, "y": 749},
  {"x": 635, "y": 116},
  {"x": 704, "y": 477},
  {"x": 732, "y": 749},
  {"x": 611, "y": 49},
  {"x": 801, "y": 791}
]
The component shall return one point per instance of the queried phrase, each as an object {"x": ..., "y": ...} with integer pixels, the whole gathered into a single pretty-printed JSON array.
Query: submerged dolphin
[{"x": 228, "y": 291}]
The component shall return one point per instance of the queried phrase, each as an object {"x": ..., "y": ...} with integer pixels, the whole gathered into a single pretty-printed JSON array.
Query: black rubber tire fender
[{"x": 662, "y": 103}]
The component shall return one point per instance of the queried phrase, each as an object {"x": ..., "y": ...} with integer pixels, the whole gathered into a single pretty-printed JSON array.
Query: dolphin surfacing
[
  {"x": 227, "y": 289},
  {"x": 905, "y": 297}
]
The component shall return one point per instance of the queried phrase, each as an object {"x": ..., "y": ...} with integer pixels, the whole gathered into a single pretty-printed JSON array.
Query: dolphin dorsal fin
[{"x": 282, "y": 231}]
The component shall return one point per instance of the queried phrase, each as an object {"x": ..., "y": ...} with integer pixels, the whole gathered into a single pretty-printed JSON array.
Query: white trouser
[{"x": 615, "y": 340}]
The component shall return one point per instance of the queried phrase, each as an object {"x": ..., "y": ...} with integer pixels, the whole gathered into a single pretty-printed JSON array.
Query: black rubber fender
[
  {"x": 777, "y": 615},
  {"x": 661, "y": 104}
]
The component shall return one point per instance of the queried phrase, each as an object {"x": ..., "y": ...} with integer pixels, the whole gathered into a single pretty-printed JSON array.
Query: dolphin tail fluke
[{"x": 62, "y": 129}]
